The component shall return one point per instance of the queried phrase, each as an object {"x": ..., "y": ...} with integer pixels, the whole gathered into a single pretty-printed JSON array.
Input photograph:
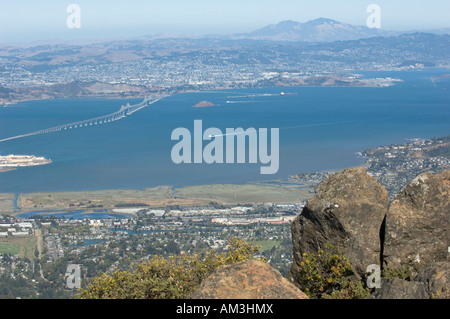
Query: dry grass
[
  {"x": 165, "y": 196},
  {"x": 6, "y": 202}
]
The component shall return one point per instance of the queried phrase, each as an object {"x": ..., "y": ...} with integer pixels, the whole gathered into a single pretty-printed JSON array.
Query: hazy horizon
[{"x": 28, "y": 21}]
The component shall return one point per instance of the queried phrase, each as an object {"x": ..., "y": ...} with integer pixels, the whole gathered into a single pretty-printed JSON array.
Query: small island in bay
[{"x": 204, "y": 104}]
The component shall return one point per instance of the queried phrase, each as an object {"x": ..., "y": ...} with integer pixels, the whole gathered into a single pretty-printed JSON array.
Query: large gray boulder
[
  {"x": 417, "y": 224},
  {"x": 347, "y": 211}
]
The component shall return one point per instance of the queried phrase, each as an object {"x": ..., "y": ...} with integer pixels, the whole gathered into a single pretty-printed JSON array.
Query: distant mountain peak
[
  {"x": 321, "y": 21},
  {"x": 317, "y": 30},
  {"x": 288, "y": 23}
]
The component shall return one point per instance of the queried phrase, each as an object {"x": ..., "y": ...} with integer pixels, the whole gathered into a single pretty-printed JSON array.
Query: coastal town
[
  {"x": 167, "y": 66},
  {"x": 396, "y": 165},
  {"x": 107, "y": 244}
]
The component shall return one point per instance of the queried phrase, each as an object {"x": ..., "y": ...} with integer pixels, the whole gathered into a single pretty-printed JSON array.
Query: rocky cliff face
[
  {"x": 417, "y": 226},
  {"x": 348, "y": 211},
  {"x": 436, "y": 278}
]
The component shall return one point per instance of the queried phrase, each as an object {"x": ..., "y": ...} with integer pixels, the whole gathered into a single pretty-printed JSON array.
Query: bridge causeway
[{"x": 125, "y": 110}]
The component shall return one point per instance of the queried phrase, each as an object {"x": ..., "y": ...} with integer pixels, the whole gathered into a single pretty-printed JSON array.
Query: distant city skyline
[{"x": 45, "y": 20}]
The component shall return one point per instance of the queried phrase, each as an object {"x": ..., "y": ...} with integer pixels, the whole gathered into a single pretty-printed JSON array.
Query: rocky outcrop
[
  {"x": 347, "y": 211},
  {"x": 397, "y": 288},
  {"x": 350, "y": 211},
  {"x": 247, "y": 280},
  {"x": 417, "y": 225},
  {"x": 436, "y": 278}
]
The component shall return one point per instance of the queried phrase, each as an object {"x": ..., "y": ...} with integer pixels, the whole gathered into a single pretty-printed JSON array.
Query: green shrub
[
  {"x": 443, "y": 293},
  {"x": 404, "y": 272},
  {"x": 350, "y": 290},
  {"x": 328, "y": 274},
  {"x": 165, "y": 278}
]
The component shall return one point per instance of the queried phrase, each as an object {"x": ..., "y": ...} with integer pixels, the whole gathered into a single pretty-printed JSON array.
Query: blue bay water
[{"x": 320, "y": 128}]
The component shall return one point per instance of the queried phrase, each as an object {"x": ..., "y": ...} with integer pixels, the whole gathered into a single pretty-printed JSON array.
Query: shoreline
[
  {"x": 14, "y": 104},
  {"x": 292, "y": 188},
  {"x": 363, "y": 82},
  {"x": 193, "y": 194},
  {"x": 114, "y": 201}
]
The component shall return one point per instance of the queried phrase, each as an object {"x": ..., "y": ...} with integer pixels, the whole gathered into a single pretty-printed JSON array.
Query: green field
[
  {"x": 9, "y": 249},
  {"x": 24, "y": 246},
  {"x": 265, "y": 244}
]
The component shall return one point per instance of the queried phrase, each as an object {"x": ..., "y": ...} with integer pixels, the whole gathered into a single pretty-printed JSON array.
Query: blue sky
[{"x": 32, "y": 20}]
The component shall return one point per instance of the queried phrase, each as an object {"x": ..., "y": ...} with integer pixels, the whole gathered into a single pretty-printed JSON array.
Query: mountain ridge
[{"x": 317, "y": 30}]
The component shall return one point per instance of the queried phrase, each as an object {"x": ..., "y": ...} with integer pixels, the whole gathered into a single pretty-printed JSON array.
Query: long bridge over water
[{"x": 125, "y": 110}]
